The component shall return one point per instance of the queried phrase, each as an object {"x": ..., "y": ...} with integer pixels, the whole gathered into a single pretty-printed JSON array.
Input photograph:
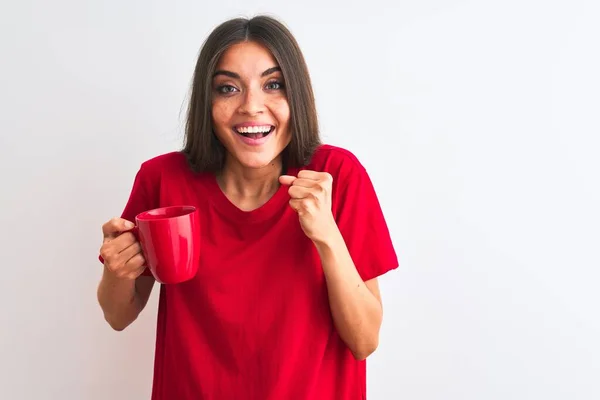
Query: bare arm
[
  {"x": 355, "y": 305},
  {"x": 122, "y": 300},
  {"x": 123, "y": 292}
]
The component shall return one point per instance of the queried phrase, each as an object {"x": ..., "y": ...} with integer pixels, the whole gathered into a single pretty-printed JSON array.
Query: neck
[{"x": 249, "y": 188}]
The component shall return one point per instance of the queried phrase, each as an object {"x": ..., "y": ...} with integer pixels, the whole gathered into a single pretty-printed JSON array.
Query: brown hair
[{"x": 202, "y": 148}]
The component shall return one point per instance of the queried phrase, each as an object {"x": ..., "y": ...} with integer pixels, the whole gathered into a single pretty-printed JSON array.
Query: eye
[
  {"x": 226, "y": 89},
  {"x": 274, "y": 85}
]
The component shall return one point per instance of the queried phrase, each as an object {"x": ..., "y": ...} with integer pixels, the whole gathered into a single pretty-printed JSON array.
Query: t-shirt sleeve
[
  {"x": 361, "y": 221},
  {"x": 141, "y": 198}
]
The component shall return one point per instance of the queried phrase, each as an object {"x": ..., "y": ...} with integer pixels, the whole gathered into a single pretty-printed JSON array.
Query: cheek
[
  {"x": 220, "y": 112},
  {"x": 281, "y": 109}
]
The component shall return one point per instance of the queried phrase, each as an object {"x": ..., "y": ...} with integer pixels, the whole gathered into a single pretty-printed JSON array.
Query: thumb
[
  {"x": 287, "y": 179},
  {"x": 115, "y": 226}
]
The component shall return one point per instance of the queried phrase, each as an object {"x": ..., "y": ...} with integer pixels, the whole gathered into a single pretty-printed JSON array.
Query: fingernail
[{"x": 128, "y": 225}]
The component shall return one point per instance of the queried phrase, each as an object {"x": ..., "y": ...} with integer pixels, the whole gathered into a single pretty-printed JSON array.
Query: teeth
[{"x": 254, "y": 129}]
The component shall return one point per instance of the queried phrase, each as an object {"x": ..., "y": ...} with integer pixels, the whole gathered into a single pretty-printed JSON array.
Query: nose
[{"x": 252, "y": 102}]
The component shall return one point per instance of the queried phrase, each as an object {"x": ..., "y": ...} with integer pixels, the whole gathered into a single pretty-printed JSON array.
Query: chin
[{"x": 257, "y": 161}]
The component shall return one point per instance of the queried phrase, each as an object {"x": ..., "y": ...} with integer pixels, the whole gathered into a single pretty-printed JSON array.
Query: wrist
[
  {"x": 115, "y": 278},
  {"x": 330, "y": 241}
]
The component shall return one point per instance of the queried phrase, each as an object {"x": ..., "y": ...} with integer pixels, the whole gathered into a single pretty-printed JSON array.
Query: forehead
[{"x": 247, "y": 59}]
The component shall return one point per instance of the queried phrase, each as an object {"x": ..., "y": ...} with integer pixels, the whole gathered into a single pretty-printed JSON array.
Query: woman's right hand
[{"x": 122, "y": 253}]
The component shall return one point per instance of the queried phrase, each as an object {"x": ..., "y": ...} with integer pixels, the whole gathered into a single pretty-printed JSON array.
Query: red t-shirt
[{"x": 255, "y": 322}]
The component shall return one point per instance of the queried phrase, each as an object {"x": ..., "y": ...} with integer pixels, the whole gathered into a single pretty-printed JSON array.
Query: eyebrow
[{"x": 236, "y": 76}]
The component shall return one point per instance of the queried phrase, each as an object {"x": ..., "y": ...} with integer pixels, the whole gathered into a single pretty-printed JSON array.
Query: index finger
[{"x": 314, "y": 175}]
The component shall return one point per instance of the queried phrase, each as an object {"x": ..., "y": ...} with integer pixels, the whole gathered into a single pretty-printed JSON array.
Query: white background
[{"x": 477, "y": 120}]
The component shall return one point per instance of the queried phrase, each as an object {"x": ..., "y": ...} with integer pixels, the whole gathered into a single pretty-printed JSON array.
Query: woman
[{"x": 285, "y": 304}]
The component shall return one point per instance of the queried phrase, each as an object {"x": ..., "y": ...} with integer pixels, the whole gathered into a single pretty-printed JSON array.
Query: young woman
[{"x": 285, "y": 304}]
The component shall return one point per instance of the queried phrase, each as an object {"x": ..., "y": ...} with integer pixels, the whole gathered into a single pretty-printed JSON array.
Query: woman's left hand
[{"x": 310, "y": 194}]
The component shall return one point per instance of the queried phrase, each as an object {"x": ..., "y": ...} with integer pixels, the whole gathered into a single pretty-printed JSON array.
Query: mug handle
[{"x": 133, "y": 230}]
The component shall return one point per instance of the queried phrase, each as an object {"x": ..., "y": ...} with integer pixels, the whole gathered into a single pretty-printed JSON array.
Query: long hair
[{"x": 203, "y": 150}]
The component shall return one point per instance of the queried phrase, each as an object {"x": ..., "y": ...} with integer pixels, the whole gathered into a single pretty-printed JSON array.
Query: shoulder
[
  {"x": 174, "y": 159},
  {"x": 163, "y": 169},
  {"x": 335, "y": 160},
  {"x": 163, "y": 166}
]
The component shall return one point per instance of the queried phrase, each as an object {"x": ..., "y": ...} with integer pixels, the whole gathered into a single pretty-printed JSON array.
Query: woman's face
[{"x": 250, "y": 111}]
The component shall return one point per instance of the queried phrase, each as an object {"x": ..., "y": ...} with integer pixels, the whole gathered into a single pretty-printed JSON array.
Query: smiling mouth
[{"x": 255, "y": 132}]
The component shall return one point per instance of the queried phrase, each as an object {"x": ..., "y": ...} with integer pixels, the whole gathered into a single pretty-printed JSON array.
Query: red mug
[{"x": 170, "y": 240}]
